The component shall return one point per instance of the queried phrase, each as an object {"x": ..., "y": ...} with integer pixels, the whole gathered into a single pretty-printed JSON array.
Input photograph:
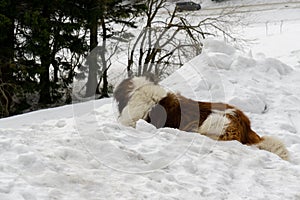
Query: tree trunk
[
  {"x": 45, "y": 97},
  {"x": 104, "y": 91},
  {"x": 92, "y": 82},
  {"x": 91, "y": 85}
]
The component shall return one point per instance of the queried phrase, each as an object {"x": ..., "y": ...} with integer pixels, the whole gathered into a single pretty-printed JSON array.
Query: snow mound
[
  {"x": 82, "y": 152},
  {"x": 220, "y": 60},
  {"x": 251, "y": 104},
  {"x": 211, "y": 45},
  {"x": 226, "y": 75},
  {"x": 273, "y": 66},
  {"x": 243, "y": 62}
]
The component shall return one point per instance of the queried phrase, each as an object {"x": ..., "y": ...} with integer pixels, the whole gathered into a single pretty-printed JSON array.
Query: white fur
[
  {"x": 139, "y": 82},
  {"x": 215, "y": 124},
  {"x": 139, "y": 105},
  {"x": 275, "y": 146},
  {"x": 227, "y": 111}
]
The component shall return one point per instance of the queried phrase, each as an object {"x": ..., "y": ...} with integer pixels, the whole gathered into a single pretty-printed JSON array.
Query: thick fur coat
[{"x": 141, "y": 98}]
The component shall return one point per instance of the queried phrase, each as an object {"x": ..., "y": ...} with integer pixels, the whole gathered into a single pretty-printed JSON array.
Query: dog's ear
[{"x": 122, "y": 92}]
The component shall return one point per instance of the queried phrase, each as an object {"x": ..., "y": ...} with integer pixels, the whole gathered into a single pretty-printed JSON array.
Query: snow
[{"x": 80, "y": 151}]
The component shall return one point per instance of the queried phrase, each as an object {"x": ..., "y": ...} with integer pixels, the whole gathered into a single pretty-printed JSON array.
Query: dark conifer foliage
[{"x": 44, "y": 43}]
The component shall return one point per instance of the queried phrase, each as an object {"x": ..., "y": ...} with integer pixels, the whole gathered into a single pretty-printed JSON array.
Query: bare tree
[
  {"x": 106, "y": 18},
  {"x": 168, "y": 38}
]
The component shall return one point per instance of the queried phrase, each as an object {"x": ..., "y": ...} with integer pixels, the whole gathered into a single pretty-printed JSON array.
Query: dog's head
[{"x": 127, "y": 87}]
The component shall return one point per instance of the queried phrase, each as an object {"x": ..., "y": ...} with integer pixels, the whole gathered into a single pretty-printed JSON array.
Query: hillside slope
[{"x": 82, "y": 152}]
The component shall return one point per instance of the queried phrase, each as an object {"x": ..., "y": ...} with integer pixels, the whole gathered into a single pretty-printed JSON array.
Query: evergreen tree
[
  {"x": 50, "y": 33},
  {"x": 104, "y": 14},
  {"x": 7, "y": 85},
  {"x": 44, "y": 42}
]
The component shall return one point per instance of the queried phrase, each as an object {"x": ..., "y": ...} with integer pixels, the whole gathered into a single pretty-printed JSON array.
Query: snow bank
[
  {"x": 222, "y": 73},
  {"x": 82, "y": 152}
]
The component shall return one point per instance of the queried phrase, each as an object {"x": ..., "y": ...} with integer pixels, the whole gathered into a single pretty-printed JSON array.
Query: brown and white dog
[{"x": 142, "y": 98}]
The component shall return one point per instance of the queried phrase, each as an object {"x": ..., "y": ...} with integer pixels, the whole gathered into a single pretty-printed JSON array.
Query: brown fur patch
[
  {"x": 122, "y": 92},
  {"x": 176, "y": 111}
]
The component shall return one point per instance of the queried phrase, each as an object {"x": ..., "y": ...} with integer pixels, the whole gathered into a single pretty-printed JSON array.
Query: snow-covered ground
[{"x": 80, "y": 151}]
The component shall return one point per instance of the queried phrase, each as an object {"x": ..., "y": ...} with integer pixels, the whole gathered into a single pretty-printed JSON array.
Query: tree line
[{"x": 45, "y": 45}]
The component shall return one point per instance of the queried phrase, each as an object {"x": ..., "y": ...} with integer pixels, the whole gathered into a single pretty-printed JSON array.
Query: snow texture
[{"x": 82, "y": 152}]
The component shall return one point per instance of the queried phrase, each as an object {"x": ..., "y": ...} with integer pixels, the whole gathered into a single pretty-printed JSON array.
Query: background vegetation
[{"x": 45, "y": 44}]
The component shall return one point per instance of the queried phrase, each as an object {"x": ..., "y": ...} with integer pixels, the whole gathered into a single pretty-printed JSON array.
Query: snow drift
[{"x": 82, "y": 152}]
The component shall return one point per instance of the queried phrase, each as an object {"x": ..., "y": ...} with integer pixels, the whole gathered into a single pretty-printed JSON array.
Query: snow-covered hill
[{"x": 82, "y": 152}]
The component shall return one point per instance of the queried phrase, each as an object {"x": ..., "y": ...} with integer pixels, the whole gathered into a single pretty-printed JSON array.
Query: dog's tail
[
  {"x": 268, "y": 143},
  {"x": 273, "y": 145}
]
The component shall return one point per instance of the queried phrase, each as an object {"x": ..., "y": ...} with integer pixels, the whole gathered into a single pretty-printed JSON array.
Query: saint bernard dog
[{"x": 143, "y": 98}]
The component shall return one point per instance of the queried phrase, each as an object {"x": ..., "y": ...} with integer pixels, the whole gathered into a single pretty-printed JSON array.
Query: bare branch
[{"x": 168, "y": 41}]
